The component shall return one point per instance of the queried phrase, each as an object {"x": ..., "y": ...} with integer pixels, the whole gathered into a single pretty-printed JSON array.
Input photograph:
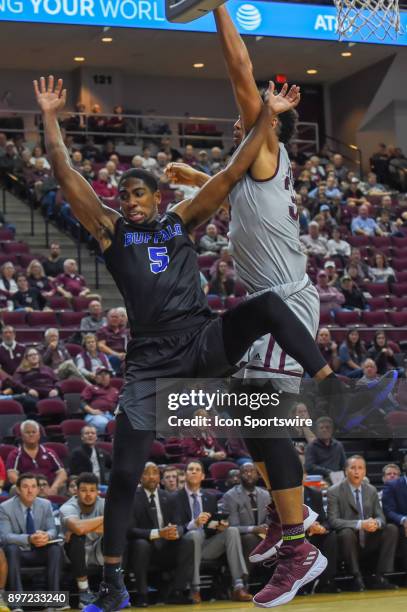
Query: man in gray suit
[
  {"x": 27, "y": 526},
  {"x": 247, "y": 507},
  {"x": 354, "y": 511}
]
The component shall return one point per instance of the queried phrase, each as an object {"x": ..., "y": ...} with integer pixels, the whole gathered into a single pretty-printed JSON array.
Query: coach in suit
[
  {"x": 155, "y": 538},
  {"x": 247, "y": 507},
  {"x": 395, "y": 508},
  {"x": 86, "y": 458},
  {"x": 26, "y": 526},
  {"x": 197, "y": 510},
  {"x": 355, "y": 513}
]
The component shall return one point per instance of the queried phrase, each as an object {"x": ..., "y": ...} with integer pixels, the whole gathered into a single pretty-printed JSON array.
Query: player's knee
[{"x": 232, "y": 533}]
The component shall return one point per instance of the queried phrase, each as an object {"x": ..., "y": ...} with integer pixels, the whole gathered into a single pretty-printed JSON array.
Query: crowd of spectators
[{"x": 354, "y": 234}]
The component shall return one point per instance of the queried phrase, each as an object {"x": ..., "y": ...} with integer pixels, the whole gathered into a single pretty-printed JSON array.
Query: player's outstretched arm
[
  {"x": 239, "y": 67},
  {"x": 183, "y": 174},
  {"x": 207, "y": 201},
  {"x": 99, "y": 220}
]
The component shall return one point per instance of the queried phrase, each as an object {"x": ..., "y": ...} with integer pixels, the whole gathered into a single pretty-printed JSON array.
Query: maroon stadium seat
[
  {"x": 399, "y": 319},
  {"x": 378, "y": 303},
  {"x": 400, "y": 253},
  {"x": 399, "y": 264},
  {"x": 58, "y": 302},
  {"x": 220, "y": 469},
  {"x": 398, "y": 302},
  {"x": 381, "y": 241},
  {"x": 59, "y": 500},
  {"x": 157, "y": 452},
  {"x": 325, "y": 318},
  {"x": 206, "y": 261},
  {"x": 71, "y": 318},
  {"x": 215, "y": 302},
  {"x": 375, "y": 318},
  {"x": 377, "y": 289},
  {"x": 73, "y": 349},
  {"x": 17, "y": 318},
  {"x": 14, "y": 248},
  {"x": 400, "y": 243},
  {"x": 105, "y": 446},
  {"x": 401, "y": 276},
  {"x": 52, "y": 407},
  {"x": 28, "y": 336},
  {"x": 5, "y": 450},
  {"x": 81, "y": 304},
  {"x": 359, "y": 241},
  {"x": 9, "y": 406},
  {"x": 344, "y": 318},
  {"x": 396, "y": 334},
  {"x": 72, "y": 427},
  {"x": 71, "y": 385},
  {"x": 400, "y": 289},
  {"x": 367, "y": 334},
  {"x": 24, "y": 259},
  {"x": 42, "y": 319},
  {"x": 60, "y": 449}
]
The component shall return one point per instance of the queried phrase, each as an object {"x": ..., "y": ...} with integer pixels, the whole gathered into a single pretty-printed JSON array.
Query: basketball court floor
[{"x": 371, "y": 601}]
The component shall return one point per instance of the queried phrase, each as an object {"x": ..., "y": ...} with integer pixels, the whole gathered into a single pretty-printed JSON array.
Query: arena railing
[
  {"x": 350, "y": 152},
  {"x": 202, "y": 132}
]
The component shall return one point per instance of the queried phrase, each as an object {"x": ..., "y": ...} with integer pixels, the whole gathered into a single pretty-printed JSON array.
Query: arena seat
[
  {"x": 15, "y": 248},
  {"x": 206, "y": 261},
  {"x": 158, "y": 453},
  {"x": 24, "y": 259},
  {"x": 42, "y": 319},
  {"x": 399, "y": 242},
  {"x": 58, "y": 302},
  {"x": 59, "y": 500},
  {"x": 7, "y": 257},
  {"x": 6, "y": 234},
  {"x": 399, "y": 319},
  {"x": 10, "y": 406},
  {"x": 378, "y": 303},
  {"x": 5, "y": 450},
  {"x": 359, "y": 241},
  {"x": 52, "y": 408},
  {"x": 344, "y": 318},
  {"x": 60, "y": 449},
  {"x": 381, "y": 241},
  {"x": 81, "y": 304},
  {"x": 375, "y": 318},
  {"x": 73, "y": 349},
  {"x": 400, "y": 289},
  {"x": 71, "y": 385},
  {"x": 377, "y": 289},
  {"x": 398, "y": 302},
  {"x": 220, "y": 469},
  {"x": 325, "y": 318},
  {"x": 399, "y": 264},
  {"x": 105, "y": 446},
  {"x": 30, "y": 336},
  {"x": 14, "y": 318},
  {"x": 72, "y": 427},
  {"x": 401, "y": 276},
  {"x": 71, "y": 318}
]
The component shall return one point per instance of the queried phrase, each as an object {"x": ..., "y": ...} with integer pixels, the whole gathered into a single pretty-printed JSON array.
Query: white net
[{"x": 377, "y": 18}]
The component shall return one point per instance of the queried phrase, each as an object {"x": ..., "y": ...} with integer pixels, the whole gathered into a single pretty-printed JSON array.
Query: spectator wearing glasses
[{"x": 35, "y": 378}]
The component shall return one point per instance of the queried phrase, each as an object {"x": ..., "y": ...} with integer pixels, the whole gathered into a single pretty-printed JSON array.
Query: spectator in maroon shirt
[
  {"x": 112, "y": 340},
  {"x": 11, "y": 353},
  {"x": 100, "y": 400},
  {"x": 103, "y": 187},
  {"x": 34, "y": 378},
  {"x": 71, "y": 284},
  {"x": 205, "y": 446},
  {"x": 32, "y": 457},
  {"x": 3, "y": 474}
]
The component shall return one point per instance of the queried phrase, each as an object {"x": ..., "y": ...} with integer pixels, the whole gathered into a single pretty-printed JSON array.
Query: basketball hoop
[
  {"x": 378, "y": 18},
  {"x": 183, "y": 11}
]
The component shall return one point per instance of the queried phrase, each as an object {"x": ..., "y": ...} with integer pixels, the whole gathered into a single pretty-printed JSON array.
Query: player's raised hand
[
  {"x": 51, "y": 97},
  {"x": 283, "y": 101},
  {"x": 180, "y": 174}
]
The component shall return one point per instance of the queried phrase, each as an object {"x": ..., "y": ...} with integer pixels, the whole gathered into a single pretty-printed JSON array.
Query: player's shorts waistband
[{"x": 287, "y": 290}]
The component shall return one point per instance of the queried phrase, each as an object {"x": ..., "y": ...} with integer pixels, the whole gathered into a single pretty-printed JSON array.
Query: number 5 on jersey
[{"x": 158, "y": 258}]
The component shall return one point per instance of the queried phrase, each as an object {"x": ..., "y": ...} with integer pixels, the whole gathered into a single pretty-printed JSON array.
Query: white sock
[{"x": 238, "y": 584}]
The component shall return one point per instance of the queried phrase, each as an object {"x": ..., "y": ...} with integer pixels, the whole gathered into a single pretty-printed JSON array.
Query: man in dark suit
[
  {"x": 324, "y": 538},
  {"x": 247, "y": 507},
  {"x": 355, "y": 513},
  {"x": 212, "y": 538},
  {"x": 395, "y": 508},
  {"x": 27, "y": 526},
  {"x": 87, "y": 458},
  {"x": 155, "y": 537}
]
